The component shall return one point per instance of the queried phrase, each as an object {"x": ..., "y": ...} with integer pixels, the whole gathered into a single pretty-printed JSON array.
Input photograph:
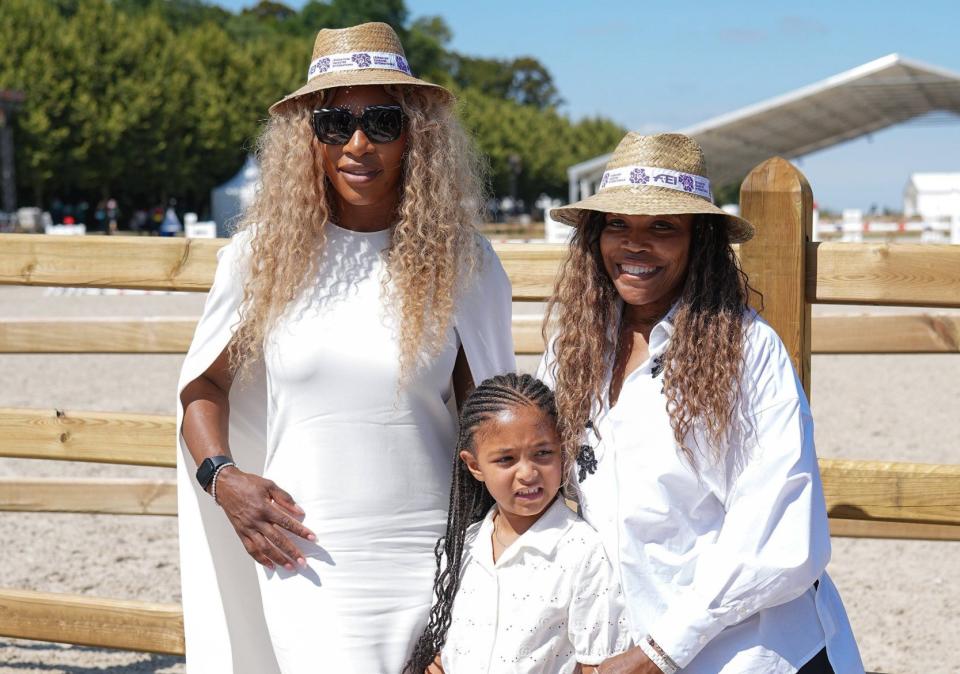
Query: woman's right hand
[{"x": 261, "y": 513}]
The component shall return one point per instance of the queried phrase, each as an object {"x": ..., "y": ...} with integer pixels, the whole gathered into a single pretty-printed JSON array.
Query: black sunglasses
[{"x": 336, "y": 126}]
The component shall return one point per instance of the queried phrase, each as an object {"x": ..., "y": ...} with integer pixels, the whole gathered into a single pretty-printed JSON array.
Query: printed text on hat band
[
  {"x": 358, "y": 60},
  {"x": 652, "y": 176}
]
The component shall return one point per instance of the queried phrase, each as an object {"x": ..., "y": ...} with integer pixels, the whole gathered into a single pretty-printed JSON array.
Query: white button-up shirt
[
  {"x": 550, "y": 601},
  {"x": 718, "y": 563}
]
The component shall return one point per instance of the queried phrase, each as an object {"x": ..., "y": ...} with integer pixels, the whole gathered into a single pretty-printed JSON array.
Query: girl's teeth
[{"x": 636, "y": 269}]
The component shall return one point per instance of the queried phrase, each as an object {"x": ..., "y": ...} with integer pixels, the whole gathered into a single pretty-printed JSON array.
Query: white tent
[
  {"x": 932, "y": 196},
  {"x": 231, "y": 198}
]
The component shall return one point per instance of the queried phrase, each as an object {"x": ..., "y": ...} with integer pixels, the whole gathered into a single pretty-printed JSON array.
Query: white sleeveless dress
[{"x": 370, "y": 465}]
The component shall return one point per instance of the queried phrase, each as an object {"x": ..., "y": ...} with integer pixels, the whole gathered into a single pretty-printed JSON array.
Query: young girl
[{"x": 522, "y": 584}]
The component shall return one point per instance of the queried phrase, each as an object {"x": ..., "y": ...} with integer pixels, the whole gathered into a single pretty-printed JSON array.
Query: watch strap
[{"x": 208, "y": 468}]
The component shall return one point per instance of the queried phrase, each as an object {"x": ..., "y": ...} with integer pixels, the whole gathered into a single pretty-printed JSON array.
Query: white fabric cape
[{"x": 222, "y": 613}]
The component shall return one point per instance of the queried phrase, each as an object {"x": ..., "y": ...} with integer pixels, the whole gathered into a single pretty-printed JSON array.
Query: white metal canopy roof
[{"x": 878, "y": 94}]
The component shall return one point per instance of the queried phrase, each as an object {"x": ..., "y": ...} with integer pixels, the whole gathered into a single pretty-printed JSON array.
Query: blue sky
[{"x": 668, "y": 65}]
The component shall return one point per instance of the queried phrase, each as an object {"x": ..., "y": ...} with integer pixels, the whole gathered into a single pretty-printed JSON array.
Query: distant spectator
[
  {"x": 493, "y": 209},
  {"x": 80, "y": 213},
  {"x": 113, "y": 216},
  {"x": 140, "y": 222},
  {"x": 171, "y": 223},
  {"x": 100, "y": 217},
  {"x": 156, "y": 219},
  {"x": 56, "y": 211},
  {"x": 507, "y": 204}
]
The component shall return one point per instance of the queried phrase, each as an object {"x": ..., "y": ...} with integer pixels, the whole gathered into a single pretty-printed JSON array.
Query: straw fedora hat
[
  {"x": 662, "y": 174},
  {"x": 370, "y": 53}
]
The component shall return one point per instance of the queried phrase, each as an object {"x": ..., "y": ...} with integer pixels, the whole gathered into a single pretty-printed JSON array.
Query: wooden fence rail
[
  {"x": 96, "y": 335},
  {"x": 908, "y": 333},
  {"x": 901, "y": 274},
  {"x": 103, "y": 437},
  {"x": 903, "y": 492},
  {"x": 114, "y": 262},
  {"x": 845, "y": 273},
  {"x": 91, "y": 496},
  {"x": 74, "y": 619}
]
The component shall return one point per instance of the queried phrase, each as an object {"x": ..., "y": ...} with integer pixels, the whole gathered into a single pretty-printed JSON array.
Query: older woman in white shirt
[{"x": 692, "y": 435}]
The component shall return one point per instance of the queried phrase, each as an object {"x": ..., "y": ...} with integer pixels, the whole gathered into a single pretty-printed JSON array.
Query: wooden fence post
[{"x": 776, "y": 198}]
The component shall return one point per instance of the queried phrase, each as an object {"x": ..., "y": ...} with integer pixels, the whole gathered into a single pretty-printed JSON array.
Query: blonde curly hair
[
  {"x": 433, "y": 243},
  {"x": 703, "y": 366}
]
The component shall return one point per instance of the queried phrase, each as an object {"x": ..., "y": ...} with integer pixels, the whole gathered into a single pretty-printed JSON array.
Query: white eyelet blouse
[{"x": 550, "y": 601}]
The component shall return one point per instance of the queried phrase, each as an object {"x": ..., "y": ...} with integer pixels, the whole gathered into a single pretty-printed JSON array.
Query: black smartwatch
[{"x": 208, "y": 468}]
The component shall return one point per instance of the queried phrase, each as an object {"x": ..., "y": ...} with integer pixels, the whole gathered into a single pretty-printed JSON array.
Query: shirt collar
[
  {"x": 660, "y": 336},
  {"x": 662, "y": 332},
  {"x": 541, "y": 538}
]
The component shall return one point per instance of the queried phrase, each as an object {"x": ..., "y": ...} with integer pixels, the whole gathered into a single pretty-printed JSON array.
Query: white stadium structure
[{"x": 879, "y": 94}]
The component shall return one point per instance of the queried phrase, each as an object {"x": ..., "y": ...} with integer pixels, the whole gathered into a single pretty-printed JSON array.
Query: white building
[{"x": 932, "y": 196}]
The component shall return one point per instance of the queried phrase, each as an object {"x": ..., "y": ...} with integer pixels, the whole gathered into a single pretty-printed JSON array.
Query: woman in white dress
[
  {"x": 350, "y": 313},
  {"x": 692, "y": 437}
]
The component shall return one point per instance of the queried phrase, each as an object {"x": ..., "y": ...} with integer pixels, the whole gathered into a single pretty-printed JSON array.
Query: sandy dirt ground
[{"x": 903, "y": 597}]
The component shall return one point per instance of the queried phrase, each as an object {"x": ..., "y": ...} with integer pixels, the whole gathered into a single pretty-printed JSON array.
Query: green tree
[
  {"x": 265, "y": 10},
  {"x": 148, "y": 99},
  {"x": 31, "y": 61},
  {"x": 545, "y": 142},
  {"x": 426, "y": 49},
  {"x": 343, "y": 13},
  {"x": 531, "y": 84},
  {"x": 728, "y": 194},
  {"x": 524, "y": 80},
  {"x": 177, "y": 14}
]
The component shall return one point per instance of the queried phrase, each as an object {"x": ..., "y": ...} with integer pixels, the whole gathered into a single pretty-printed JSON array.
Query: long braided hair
[{"x": 469, "y": 500}]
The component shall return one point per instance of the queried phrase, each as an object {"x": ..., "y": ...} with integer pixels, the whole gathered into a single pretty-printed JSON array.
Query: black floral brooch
[
  {"x": 657, "y": 368},
  {"x": 586, "y": 459}
]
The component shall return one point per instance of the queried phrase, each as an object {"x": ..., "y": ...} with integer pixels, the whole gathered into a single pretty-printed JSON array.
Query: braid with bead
[{"x": 469, "y": 500}]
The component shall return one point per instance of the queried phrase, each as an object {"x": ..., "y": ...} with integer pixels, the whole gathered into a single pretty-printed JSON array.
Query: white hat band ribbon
[
  {"x": 358, "y": 60},
  {"x": 631, "y": 176}
]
